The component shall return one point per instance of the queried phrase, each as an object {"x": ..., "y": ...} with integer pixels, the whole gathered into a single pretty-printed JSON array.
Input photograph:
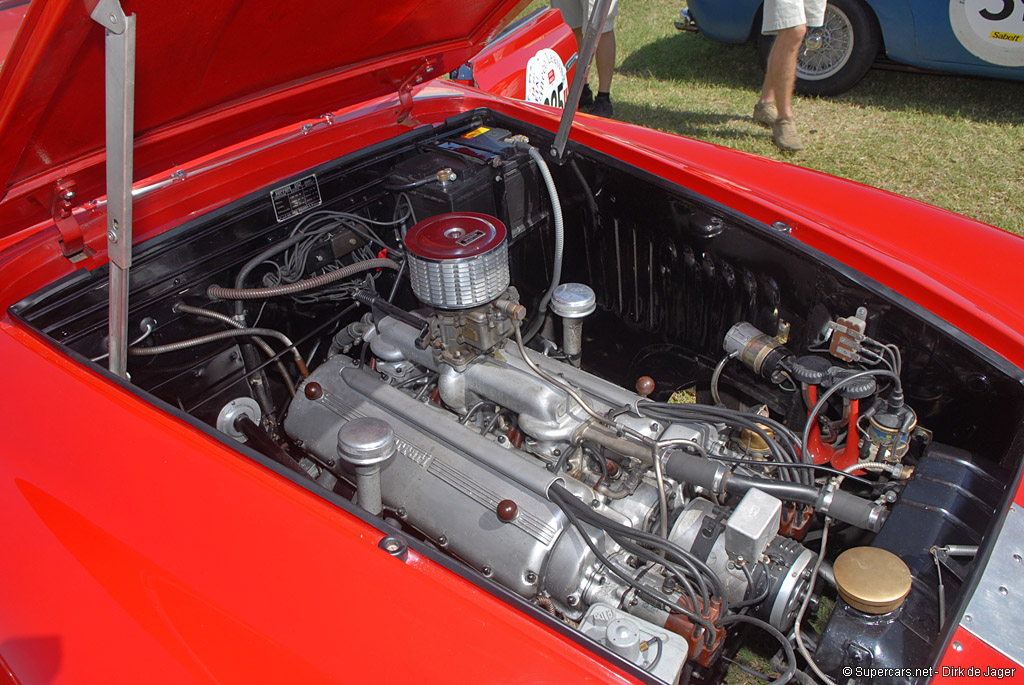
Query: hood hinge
[
  {"x": 72, "y": 242},
  {"x": 405, "y": 91}
]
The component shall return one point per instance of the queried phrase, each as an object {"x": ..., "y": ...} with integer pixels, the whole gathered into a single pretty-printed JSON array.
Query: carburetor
[{"x": 458, "y": 265}]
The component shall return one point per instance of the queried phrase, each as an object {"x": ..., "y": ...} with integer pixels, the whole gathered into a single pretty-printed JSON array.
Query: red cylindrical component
[
  {"x": 820, "y": 452},
  {"x": 850, "y": 454}
]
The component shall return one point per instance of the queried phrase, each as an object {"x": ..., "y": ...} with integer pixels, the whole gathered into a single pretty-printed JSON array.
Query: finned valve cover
[{"x": 458, "y": 260}]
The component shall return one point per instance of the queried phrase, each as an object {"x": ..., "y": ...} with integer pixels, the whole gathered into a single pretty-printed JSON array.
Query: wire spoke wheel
[
  {"x": 827, "y": 49},
  {"x": 836, "y": 55}
]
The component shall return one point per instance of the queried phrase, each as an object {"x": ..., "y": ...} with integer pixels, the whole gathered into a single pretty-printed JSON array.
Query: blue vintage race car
[{"x": 979, "y": 37}]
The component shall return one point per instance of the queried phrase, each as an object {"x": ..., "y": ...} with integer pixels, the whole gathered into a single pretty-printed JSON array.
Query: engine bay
[{"x": 646, "y": 417}]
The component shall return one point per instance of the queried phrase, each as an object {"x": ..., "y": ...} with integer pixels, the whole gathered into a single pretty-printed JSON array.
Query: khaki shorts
[
  {"x": 575, "y": 12},
  {"x": 785, "y": 14}
]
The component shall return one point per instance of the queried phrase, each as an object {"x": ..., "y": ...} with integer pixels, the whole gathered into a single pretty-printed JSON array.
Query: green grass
[{"x": 954, "y": 142}]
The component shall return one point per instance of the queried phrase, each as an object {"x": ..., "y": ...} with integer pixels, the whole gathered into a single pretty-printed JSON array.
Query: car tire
[{"x": 837, "y": 55}]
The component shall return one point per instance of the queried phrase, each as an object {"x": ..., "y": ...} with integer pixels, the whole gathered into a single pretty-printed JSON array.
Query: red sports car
[{"x": 321, "y": 366}]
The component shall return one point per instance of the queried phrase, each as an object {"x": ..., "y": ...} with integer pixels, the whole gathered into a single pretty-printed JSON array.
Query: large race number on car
[
  {"x": 545, "y": 79},
  {"x": 992, "y": 30}
]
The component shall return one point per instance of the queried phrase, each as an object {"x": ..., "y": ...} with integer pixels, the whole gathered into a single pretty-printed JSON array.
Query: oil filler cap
[{"x": 871, "y": 579}]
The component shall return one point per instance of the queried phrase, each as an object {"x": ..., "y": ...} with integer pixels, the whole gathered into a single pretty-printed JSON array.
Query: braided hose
[
  {"x": 259, "y": 342},
  {"x": 217, "y": 292},
  {"x": 537, "y": 320},
  {"x": 221, "y": 335}
]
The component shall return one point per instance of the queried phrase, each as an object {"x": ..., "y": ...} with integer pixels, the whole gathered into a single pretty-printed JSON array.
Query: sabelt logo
[{"x": 1012, "y": 37}]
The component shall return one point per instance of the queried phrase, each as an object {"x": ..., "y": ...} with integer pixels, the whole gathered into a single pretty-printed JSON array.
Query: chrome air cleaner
[{"x": 458, "y": 260}]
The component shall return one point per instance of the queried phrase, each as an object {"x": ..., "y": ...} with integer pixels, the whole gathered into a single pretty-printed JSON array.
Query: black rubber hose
[
  {"x": 791, "y": 492},
  {"x": 784, "y": 451},
  {"x": 715, "y": 476}
]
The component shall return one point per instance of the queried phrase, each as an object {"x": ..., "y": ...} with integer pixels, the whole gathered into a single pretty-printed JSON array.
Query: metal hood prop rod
[
  {"x": 119, "y": 49},
  {"x": 591, "y": 34}
]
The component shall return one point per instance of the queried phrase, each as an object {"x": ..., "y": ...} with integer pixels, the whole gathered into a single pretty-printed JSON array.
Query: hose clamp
[{"x": 827, "y": 495}]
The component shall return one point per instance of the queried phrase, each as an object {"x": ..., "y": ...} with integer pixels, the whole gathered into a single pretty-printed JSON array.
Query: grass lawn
[{"x": 953, "y": 142}]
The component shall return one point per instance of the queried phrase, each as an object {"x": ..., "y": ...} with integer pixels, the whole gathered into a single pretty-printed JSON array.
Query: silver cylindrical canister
[
  {"x": 458, "y": 260},
  {"x": 758, "y": 351},
  {"x": 573, "y": 302},
  {"x": 366, "y": 443}
]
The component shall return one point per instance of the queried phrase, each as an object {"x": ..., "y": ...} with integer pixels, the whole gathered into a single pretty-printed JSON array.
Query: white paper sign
[{"x": 546, "y": 83}]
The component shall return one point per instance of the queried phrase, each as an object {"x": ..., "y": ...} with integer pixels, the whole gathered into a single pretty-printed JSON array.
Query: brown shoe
[
  {"x": 784, "y": 134},
  {"x": 765, "y": 113}
]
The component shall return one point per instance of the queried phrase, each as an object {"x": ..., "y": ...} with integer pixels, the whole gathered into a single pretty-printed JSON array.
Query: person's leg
[
  {"x": 779, "y": 16},
  {"x": 586, "y": 95},
  {"x": 605, "y": 60},
  {"x": 779, "y": 83},
  {"x": 780, "y": 77},
  {"x": 787, "y": 19}
]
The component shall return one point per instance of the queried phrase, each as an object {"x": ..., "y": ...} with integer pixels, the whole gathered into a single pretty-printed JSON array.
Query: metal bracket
[
  {"x": 72, "y": 242},
  {"x": 405, "y": 90},
  {"x": 109, "y": 15},
  {"x": 119, "y": 52}
]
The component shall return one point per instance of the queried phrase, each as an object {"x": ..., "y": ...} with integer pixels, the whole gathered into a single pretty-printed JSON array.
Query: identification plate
[{"x": 295, "y": 198}]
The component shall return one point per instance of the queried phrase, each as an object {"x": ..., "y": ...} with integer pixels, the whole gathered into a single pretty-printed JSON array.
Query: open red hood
[{"x": 209, "y": 73}]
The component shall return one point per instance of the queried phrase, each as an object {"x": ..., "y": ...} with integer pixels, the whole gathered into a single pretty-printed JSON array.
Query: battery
[{"x": 488, "y": 176}]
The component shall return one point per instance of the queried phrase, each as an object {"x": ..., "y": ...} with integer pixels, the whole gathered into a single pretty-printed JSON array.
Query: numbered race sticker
[
  {"x": 990, "y": 29},
  {"x": 546, "y": 83}
]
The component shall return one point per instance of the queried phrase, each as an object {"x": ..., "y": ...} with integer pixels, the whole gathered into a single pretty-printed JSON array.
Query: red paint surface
[
  {"x": 130, "y": 534},
  {"x": 137, "y": 545},
  {"x": 10, "y": 20},
  {"x": 209, "y": 74},
  {"x": 975, "y": 661},
  {"x": 500, "y": 68}
]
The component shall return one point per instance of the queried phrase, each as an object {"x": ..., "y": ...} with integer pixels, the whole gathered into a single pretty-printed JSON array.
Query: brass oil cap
[{"x": 872, "y": 580}]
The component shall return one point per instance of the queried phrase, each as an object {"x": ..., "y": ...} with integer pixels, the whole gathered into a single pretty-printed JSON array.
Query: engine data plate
[{"x": 295, "y": 198}]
